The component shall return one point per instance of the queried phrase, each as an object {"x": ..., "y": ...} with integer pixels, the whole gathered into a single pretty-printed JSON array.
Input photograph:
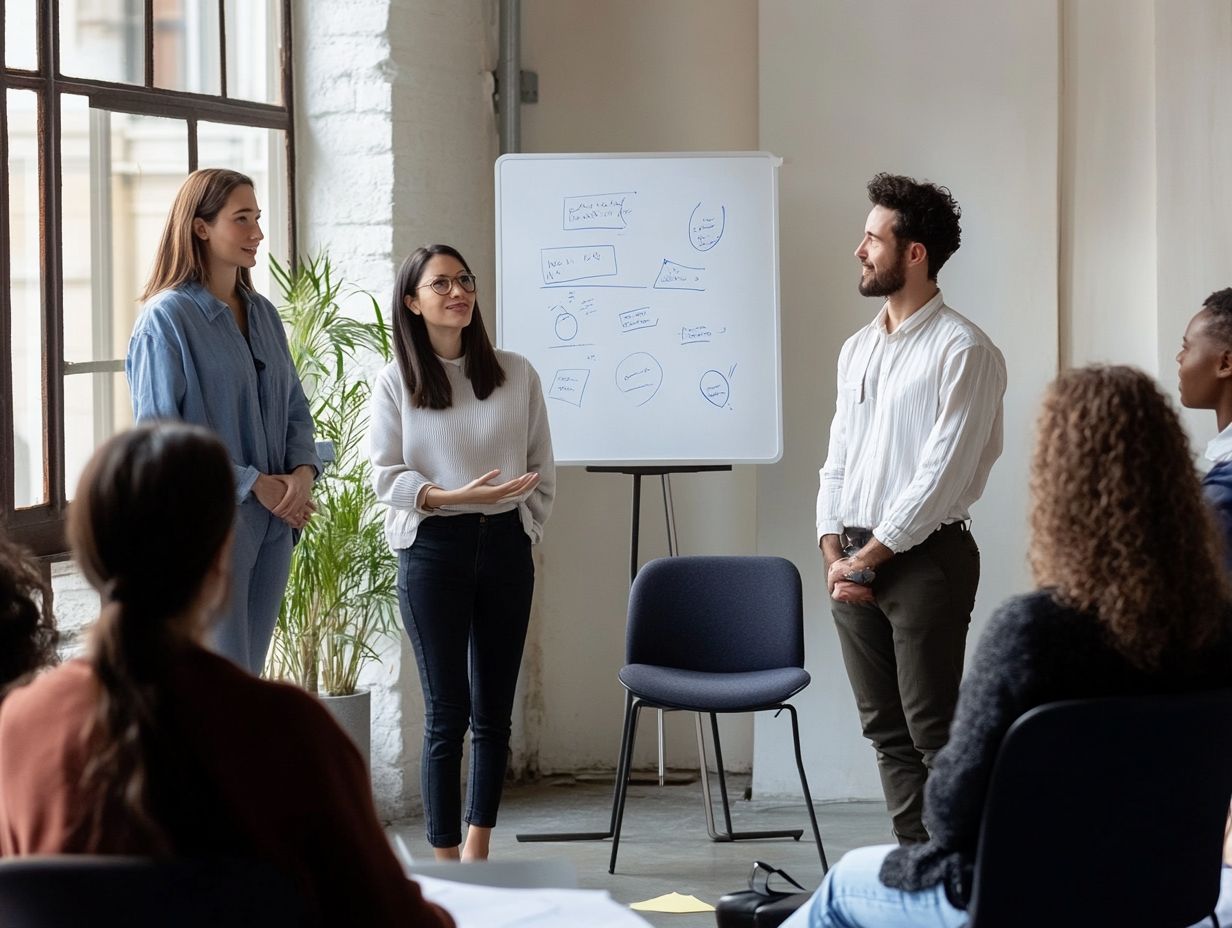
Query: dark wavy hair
[
  {"x": 153, "y": 509},
  {"x": 1119, "y": 527},
  {"x": 927, "y": 214},
  {"x": 424, "y": 375},
  {"x": 28, "y": 635}
]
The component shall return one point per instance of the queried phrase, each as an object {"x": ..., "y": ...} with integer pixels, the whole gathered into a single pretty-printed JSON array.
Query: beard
[{"x": 885, "y": 282}]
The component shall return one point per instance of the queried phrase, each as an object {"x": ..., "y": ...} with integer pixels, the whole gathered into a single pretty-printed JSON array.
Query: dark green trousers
[{"x": 904, "y": 658}]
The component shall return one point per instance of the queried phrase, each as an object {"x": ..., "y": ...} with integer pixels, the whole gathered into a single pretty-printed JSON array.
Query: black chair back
[
  {"x": 137, "y": 892},
  {"x": 1107, "y": 812},
  {"x": 716, "y": 614}
]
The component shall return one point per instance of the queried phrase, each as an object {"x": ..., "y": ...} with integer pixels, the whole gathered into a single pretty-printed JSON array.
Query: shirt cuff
[
  {"x": 245, "y": 479},
  {"x": 828, "y": 527},
  {"x": 895, "y": 538}
]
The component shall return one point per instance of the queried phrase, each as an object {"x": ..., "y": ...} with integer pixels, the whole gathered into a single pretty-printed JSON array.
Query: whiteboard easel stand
[{"x": 664, "y": 473}]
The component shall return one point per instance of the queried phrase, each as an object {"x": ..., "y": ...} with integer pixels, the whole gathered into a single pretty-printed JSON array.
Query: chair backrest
[
  {"x": 716, "y": 614},
  {"x": 1107, "y": 812},
  {"x": 137, "y": 892}
]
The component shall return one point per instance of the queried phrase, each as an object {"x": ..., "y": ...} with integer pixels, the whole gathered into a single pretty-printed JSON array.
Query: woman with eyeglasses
[
  {"x": 462, "y": 458},
  {"x": 208, "y": 349}
]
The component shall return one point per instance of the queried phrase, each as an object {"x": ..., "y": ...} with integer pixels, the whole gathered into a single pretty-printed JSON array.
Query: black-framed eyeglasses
[{"x": 443, "y": 285}]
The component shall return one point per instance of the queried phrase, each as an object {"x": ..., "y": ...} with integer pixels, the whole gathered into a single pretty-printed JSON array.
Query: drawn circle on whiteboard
[
  {"x": 706, "y": 224},
  {"x": 566, "y": 327},
  {"x": 715, "y": 388},
  {"x": 639, "y": 377}
]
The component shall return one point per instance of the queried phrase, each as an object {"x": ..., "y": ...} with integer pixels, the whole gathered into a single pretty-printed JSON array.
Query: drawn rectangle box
[
  {"x": 633, "y": 319},
  {"x": 597, "y": 211},
  {"x": 577, "y": 262},
  {"x": 569, "y": 385}
]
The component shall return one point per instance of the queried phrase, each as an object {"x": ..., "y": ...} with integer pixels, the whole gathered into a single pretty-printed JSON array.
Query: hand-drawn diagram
[
  {"x": 675, "y": 276},
  {"x": 566, "y": 327},
  {"x": 569, "y": 386},
  {"x": 698, "y": 334},
  {"x": 639, "y": 377},
  {"x": 706, "y": 225},
  {"x": 581, "y": 262},
  {"x": 715, "y": 387},
  {"x": 597, "y": 211},
  {"x": 631, "y": 320}
]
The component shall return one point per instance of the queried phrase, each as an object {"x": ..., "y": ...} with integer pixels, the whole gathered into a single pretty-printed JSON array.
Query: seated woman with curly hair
[
  {"x": 28, "y": 634},
  {"x": 1115, "y": 614}
]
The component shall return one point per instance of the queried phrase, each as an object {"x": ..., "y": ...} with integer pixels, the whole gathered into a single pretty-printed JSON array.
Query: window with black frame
[{"x": 108, "y": 105}]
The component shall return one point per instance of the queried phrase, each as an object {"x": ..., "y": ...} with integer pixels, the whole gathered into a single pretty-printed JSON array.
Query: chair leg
[
  {"x": 808, "y": 797},
  {"x": 632, "y": 709},
  {"x": 730, "y": 834},
  {"x": 611, "y": 825}
]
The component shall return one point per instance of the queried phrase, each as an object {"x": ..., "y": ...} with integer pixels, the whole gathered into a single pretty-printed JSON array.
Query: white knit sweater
[{"x": 448, "y": 448}]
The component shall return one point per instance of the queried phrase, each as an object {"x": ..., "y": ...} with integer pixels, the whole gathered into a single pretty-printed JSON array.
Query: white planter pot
[{"x": 354, "y": 714}]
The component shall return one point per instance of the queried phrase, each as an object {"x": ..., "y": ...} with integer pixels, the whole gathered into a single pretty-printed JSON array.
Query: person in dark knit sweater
[{"x": 1111, "y": 483}]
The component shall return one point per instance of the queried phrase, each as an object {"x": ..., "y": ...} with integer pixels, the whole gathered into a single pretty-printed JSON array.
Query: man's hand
[{"x": 847, "y": 592}]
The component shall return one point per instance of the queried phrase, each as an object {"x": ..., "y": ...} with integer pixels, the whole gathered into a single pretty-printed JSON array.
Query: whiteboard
[{"x": 644, "y": 289}]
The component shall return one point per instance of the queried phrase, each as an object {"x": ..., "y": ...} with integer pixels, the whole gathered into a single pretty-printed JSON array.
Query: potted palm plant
[{"x": 341, "y": 595}]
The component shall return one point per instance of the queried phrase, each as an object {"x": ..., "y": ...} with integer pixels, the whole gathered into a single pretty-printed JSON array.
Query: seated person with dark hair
[
  {"x": 151, "y": 744},
  {"x": 28, "y": 634}
]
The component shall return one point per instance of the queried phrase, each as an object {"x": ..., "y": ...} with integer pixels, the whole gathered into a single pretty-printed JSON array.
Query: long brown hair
[
  {"x": 1119, "y": 527},
  {"x": 182, "y": 256},
  {"x": 423, "y": 373},
  {"x": 28, "y": 633},
  {"x": 153, "y": 510}
]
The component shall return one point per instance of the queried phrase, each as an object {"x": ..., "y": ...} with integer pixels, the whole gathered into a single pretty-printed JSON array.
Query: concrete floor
[{"x": 663, "y": 843}]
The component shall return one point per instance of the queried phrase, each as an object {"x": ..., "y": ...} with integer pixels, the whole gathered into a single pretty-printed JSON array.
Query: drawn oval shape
[
  {"x": 639, "y": 377},
  {"x": 706, "y": 224},
  {"x": 715, "y": 388},
  {"x": 566, "y": 327}
]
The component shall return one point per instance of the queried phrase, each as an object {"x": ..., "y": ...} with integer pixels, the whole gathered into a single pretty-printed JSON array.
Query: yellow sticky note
[{"x": 673, "y": 902}]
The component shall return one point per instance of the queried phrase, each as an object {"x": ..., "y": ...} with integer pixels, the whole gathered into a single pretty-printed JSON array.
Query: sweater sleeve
[
  {"x": 397, "y": 485},
  {"x": 992, "y": 695},
  {"x": 539, "y": 458}
]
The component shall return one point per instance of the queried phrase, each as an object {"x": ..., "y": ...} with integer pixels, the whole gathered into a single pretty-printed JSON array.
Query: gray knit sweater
[{"x": 1034, "y": 651}]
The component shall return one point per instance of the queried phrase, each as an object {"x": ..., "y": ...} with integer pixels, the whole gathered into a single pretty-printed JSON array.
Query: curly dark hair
[
  {"x": 927, "y": 214},
  {"x": 28, "y": 635},
  {"x": 1119, "y": 528}
]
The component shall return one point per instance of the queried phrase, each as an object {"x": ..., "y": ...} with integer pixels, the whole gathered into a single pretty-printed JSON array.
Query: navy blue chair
[
  {"x": 711, "y": 635},
  {"x": 139, "y": 892},
  {"x": 1107, "y": 812}
]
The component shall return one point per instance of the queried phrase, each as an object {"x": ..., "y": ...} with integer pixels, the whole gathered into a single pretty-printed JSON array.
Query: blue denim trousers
[
  {"x": 464, "y": 588},
  {"x": 852, "y": 896}
]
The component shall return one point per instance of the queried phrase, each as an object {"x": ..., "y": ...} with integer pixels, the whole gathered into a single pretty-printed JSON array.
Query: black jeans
[{"x": 465, "y": 588}]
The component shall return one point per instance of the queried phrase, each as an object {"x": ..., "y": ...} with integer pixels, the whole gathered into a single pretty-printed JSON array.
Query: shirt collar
[
  {"x": 916, "y": 320},
  {"x": 1219, "y": 448},
  {"x": 210, "y": 305}
]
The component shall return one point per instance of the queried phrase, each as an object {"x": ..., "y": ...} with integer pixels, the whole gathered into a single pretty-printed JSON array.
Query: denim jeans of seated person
[{"x": 852, "y": 896}]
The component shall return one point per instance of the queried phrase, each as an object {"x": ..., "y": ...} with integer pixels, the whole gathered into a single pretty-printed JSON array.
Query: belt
[{"x": 857, "y": 538}]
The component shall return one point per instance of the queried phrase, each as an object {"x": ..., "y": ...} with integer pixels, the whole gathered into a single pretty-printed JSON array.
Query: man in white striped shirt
[{"x": 917, "y": 427}]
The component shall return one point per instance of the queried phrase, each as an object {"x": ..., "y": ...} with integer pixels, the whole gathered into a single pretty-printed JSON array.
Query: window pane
[
  {"x": 254, "y": 49},
  {"x": 103, "y": 39},
  {"x": 121, "y": 173},
  {"x": 96, "y": 406},
  {"x": 20, "y": 47},
  {"x": 261, "y": 154},
  {"x": 186, "y": 46},
  {"x": 26, "y": 295}
]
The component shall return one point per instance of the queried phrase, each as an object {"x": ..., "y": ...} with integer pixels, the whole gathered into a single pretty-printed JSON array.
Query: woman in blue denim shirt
[{"x": 208, "y": 349}]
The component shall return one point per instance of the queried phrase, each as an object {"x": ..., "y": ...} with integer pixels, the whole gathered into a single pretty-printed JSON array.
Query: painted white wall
[
  {"x": 964, "y": 95},
  {"x": 627, "y": 75}
]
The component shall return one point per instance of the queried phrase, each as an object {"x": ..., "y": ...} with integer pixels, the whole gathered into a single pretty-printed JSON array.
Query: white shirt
[
  {"x": 412, "y": 448},
  {"x": 917, "y": 427},
  {"x": 1219, "y": 448}
]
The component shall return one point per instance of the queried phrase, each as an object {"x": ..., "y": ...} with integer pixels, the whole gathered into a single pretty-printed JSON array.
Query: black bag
[{"x": 759, "y": 906}]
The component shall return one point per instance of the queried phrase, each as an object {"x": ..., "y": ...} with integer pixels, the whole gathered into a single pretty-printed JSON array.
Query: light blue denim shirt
[{"x": 188, "y": 360}]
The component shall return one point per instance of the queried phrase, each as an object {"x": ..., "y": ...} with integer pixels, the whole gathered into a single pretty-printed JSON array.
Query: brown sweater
[{"x": 287, "y": 785}]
